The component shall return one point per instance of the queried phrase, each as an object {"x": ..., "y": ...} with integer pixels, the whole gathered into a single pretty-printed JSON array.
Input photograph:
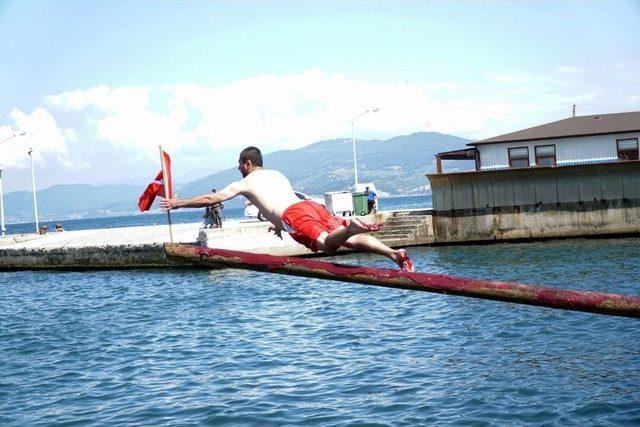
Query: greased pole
[
  {"x": 166, "y": 190},
  {"x": 565, "y": 299}
]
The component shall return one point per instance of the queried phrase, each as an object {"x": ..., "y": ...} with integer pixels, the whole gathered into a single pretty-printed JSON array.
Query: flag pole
[{"x": 166, "y": 190}]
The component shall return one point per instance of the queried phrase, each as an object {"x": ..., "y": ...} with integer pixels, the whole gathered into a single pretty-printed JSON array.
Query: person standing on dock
[
  {"x": 372, "y": 199},
  {"x": 307, "y": 222},
  {"x": 213, "y": 214}
]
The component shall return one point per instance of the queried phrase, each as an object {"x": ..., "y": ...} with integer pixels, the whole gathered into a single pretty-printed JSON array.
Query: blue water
[{"x": 225, "y": 347}]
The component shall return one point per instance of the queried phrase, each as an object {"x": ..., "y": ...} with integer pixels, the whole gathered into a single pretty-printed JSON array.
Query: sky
[{"x": 98, "y": 85}]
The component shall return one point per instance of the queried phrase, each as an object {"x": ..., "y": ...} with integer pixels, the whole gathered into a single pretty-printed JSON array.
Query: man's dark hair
[{"x": 253, "y": 154}]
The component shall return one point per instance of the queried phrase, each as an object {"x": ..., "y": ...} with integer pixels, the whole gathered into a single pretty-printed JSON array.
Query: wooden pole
[
  {"x": 594, "y": 302},
  {"x": 166, "y": 190}
]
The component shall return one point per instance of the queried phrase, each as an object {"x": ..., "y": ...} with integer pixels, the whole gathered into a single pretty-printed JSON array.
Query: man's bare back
[{"x": 270, "y": 191}]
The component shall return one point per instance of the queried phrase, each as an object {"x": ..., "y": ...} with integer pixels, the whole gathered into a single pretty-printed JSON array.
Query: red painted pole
[{"x": 594, "y": 302}]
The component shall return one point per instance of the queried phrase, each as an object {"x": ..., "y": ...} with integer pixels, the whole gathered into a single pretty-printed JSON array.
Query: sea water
[{"x": 228, "y": 347}]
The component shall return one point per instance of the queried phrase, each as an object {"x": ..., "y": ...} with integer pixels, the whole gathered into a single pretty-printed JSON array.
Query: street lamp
[
  {"x": 33, "y": 186},
  {"x": 3, "y": 230},
  {"x": 353, "y": 142}
]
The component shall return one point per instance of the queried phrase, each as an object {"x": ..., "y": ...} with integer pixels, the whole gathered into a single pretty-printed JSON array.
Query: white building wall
[{"x": 569, "y": 151}]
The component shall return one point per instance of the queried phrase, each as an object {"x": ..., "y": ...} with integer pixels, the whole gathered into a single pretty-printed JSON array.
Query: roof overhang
[{"x": 464, "y": 154}]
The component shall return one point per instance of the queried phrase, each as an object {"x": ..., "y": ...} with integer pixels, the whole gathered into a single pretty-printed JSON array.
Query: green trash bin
[{"x": 360, "y": 206}]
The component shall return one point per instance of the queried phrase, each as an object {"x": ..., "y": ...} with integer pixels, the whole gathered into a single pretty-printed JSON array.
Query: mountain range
[{"x": 397, "y": 166}]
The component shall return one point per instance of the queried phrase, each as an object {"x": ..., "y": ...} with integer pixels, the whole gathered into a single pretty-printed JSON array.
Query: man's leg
[
  {"x": 219, "y": 217},
  {"x": 364, "y": 243},
  {"x": 330, "y": 242}
]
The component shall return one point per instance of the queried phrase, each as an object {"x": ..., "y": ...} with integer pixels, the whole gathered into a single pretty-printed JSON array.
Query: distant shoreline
[{"x": 405, "y": 195}]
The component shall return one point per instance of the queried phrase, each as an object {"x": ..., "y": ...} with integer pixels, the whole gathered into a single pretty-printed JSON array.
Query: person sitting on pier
[{"x": 308, "y": 223}]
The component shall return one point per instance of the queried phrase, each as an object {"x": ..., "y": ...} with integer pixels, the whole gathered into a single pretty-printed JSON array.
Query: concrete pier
[{"x": 138, "y": 247}]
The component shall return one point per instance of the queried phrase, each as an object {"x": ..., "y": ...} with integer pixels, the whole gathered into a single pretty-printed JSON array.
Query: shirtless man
[{"x": 307, "y": 222}]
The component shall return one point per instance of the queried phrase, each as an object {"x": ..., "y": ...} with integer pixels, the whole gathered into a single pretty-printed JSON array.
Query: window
[
  {"x": 519, "y": 157},
  {"x": 628, "y": 149},
  {"x": 546, "y": 155}
]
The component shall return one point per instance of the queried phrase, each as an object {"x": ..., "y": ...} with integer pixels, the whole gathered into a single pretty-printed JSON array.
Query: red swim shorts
[{"x": 308, "y": 220}]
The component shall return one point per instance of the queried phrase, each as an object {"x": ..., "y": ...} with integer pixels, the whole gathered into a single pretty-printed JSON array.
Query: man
[
  {"x": 372, "y": 198},
  {"x": 307, "y": 222},
  {"x": 217, "y": 212},
  {"x": 213, "y": 215}
]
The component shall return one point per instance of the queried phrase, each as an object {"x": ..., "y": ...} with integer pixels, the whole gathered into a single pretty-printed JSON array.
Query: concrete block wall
[
  {"x": 81, "y": 258},
  {"x": 537, "y": 223},
  {"x": 574, "y": 201}
]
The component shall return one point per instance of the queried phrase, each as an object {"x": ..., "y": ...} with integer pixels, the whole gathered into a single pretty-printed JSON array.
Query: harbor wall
[
  {"x": 82, "y": 258},
  {"x": 535, "y": 203}
]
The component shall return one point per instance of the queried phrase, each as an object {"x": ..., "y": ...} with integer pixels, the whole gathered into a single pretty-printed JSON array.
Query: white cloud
[
  {"x": 41, "y": 133},
  {"x": 293, "y": 110},
  {"x": 273, "y": 112},
  {"x": 103, "y": 98},
  {"x": 124, "y": 118},
  {"x": 70, "y": 135}
]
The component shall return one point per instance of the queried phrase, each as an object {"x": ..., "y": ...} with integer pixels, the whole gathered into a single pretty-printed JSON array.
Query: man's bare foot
[
  {"x": 357, "y": 226},
  {"x": 404, "y": 262}
]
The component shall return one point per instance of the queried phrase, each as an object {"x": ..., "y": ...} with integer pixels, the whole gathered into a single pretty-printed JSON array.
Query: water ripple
[{"x": 231, "y": 347}]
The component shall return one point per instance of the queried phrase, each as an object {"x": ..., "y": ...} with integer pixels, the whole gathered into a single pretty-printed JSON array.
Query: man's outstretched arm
[{"x": 229, "y": 192}]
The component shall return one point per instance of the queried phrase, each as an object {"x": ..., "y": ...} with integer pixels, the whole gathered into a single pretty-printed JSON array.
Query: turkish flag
[{"x": 156, "y": 188}]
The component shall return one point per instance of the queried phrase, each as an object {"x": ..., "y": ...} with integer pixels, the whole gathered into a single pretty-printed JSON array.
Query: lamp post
[
  {"x": 33, "y": 186},
  {"x": 3, "y": 230},
  {"x": 353, "y": 142}
]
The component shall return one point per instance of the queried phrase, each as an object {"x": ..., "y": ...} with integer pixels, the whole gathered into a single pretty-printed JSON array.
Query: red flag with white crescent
[{"x": 156, "y": 188}]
